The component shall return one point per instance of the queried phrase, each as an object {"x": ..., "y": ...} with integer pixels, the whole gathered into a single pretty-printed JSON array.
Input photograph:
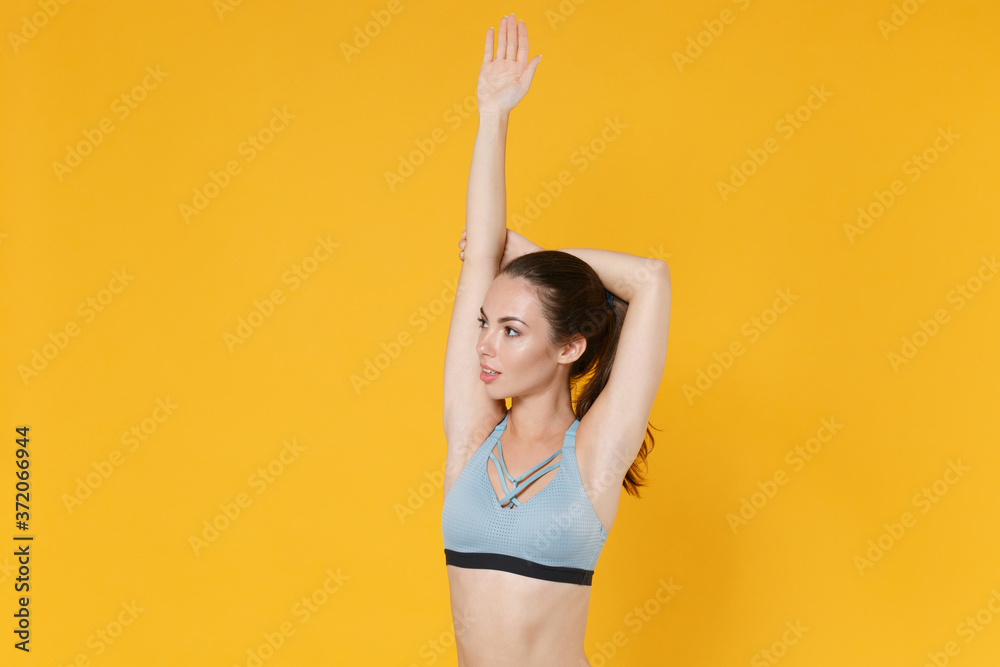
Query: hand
[
  {"x": 505, "y": 81},
  {"x": 514, "y": 246}
]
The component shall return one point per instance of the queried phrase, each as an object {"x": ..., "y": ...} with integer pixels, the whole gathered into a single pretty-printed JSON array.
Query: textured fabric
[{"x": 555, "y": 534}]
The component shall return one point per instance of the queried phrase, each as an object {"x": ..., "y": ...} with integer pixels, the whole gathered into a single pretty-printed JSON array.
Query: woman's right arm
[
  {"x": 467, "y": 408},
  {"x": 503, "y": 82},
  {"x": 486, "y": 195}
]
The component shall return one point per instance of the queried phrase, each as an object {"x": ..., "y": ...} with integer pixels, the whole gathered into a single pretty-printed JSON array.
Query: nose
[{"x": 485, "y": 346}]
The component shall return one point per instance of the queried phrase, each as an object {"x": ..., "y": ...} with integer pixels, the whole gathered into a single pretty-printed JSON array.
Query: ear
[{"x": 572, "y": 350}]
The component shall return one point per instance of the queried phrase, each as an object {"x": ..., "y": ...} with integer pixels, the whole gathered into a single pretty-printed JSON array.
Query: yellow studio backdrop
[{"x": 229, "y": 251}]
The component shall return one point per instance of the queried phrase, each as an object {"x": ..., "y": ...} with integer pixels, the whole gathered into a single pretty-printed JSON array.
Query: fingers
[
  {"x": 512, "y": 41},
  {"x": 511, "y": 37},
  {"x": 502, "y": 39},
  {"x": 488, "y": 52},
  {"x": 522, "y": 42},
  {"x": 529, "y": 71}
]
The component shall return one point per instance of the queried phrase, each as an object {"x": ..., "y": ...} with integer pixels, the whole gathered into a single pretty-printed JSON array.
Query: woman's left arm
[
  {"x": 617, "y": 420},
  {"x": 624, "y": 275}
]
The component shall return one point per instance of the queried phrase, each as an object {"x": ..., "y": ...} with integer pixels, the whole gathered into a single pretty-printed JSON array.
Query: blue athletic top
[{"x": 553, "y": 535}]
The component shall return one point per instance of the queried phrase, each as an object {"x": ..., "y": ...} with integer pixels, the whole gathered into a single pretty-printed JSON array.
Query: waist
[{"x": 538, "y": 622}]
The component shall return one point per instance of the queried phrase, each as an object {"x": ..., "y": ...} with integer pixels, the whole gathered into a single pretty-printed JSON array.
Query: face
[{"x": 519, "y": 348}]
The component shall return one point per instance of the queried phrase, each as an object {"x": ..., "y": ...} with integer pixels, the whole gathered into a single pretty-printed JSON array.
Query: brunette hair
[{"x": 572, "y": 300}]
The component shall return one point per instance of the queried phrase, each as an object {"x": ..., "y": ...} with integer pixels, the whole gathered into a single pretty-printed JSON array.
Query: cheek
[{"x": 528, "y": 358}]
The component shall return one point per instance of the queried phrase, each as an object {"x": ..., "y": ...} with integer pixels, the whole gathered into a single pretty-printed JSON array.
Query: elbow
[
  {"x": 660, "y": 280},
  {"x": 651, "y": 278},
  {"x": 660, "y": 273}
]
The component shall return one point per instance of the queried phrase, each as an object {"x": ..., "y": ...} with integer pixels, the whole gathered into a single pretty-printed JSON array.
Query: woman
[{"x": 530, "y": 494}]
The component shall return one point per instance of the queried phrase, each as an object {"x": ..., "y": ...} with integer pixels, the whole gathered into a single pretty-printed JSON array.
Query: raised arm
[
  {"x": 486, "y": 194},
  {"x": 503, "y": 82},
  {"x": 617, "y": 420}
]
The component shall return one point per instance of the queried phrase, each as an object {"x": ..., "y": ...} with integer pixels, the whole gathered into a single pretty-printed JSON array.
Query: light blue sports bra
[{"x": 554, "y": 535}]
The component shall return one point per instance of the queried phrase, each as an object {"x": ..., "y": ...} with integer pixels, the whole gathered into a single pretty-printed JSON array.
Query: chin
[{"x": 495, "y": 394}]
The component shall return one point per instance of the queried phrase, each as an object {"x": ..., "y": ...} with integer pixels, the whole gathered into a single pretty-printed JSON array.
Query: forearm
[
  {"x": 623, "y": 275},
  {"x": 486, "y": 198}
]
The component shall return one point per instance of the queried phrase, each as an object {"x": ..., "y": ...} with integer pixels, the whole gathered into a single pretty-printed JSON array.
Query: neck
[{"x": 539, "y": 421}]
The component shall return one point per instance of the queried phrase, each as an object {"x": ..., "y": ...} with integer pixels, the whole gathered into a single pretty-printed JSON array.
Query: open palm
[{"x": 504, "y": 80}]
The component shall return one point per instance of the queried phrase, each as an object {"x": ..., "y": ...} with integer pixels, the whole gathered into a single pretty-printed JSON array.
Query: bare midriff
[{"x": 505, "y": 619}]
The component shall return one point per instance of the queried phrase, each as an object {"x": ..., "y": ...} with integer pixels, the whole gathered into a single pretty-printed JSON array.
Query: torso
[{"x": 502, "y": 618}]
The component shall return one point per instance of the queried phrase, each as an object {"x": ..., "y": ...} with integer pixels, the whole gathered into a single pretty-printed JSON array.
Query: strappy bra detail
[
  {"x": 504, "y": 475},
  {"x": 554, "y": 535}
]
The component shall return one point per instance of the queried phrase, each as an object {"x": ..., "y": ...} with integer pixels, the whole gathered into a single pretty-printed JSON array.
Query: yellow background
[{"x": 367, "y": 451}]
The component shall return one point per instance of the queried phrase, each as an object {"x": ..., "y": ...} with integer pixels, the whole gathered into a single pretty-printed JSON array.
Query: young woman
[{"x": 577, "y": 339}]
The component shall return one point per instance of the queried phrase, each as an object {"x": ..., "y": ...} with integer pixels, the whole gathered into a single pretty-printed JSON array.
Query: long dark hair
[{"x": 573, "y": 302}]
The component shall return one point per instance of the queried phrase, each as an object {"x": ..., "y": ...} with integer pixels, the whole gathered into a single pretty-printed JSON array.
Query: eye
[{"x": 483, "y": 323}]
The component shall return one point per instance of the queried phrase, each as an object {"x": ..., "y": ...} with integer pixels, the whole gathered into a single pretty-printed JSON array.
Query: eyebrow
[{"x": 509, "y": 318}]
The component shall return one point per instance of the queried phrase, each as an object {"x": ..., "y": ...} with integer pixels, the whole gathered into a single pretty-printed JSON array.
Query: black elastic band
[{"x": 524, "y": 567}]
